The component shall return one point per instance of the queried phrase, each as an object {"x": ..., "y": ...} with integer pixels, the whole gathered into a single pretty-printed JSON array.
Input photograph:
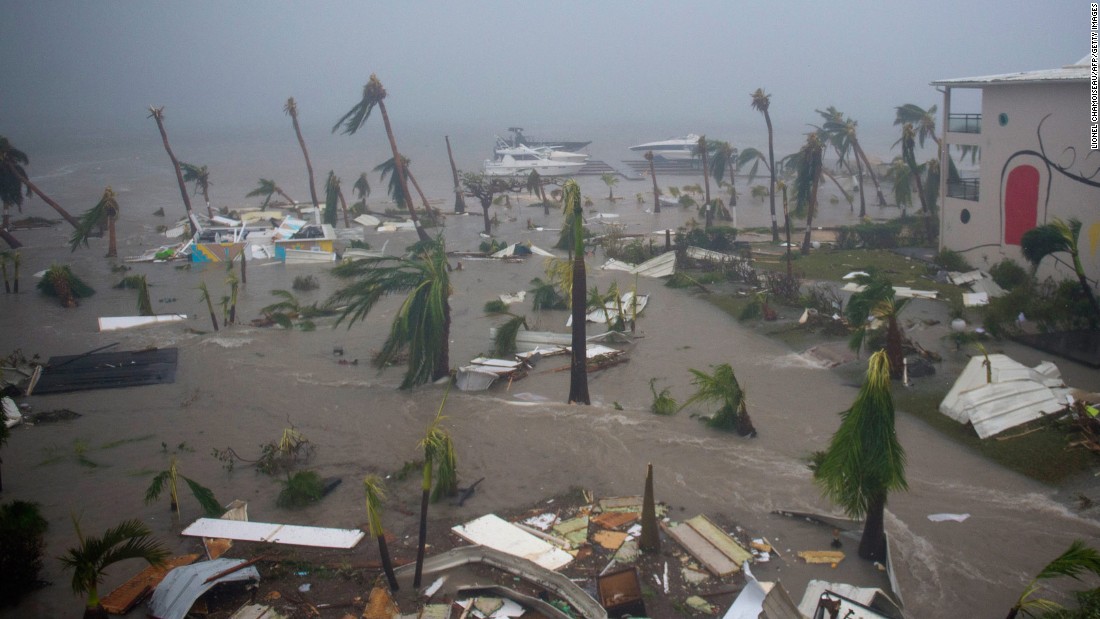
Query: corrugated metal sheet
[
  {"x": 1016, "y": 395},
  {"x": 1074, "y": 73},
  {"x": 494, "y": 532},
  {"x": 175, "y": 595}
]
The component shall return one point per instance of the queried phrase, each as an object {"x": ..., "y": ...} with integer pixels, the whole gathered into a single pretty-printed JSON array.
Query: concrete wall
[{"x": 1028, "y": 176}]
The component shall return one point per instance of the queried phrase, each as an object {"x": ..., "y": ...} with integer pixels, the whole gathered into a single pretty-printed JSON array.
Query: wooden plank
[
  {"x": 831, "y": 557},
  {"x": 128, "y": 594},
  {"x": 289, "y": 534},
  {"x": 704, "y": 552},
  {"x": 614, "y": 520},
  {"x": 719, "y": 539}
]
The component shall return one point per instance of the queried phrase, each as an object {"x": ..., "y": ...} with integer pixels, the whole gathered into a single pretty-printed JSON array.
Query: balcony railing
[
  {"x": 964, "y": 123},
  {"x": 964, "y": 189}
]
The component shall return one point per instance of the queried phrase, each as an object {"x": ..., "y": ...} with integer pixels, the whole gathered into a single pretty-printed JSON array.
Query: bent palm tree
[
  {"x": 374, "y": 94},
  {"x": 653, "y": 177},
  {"x": 460, "y": 202},
  {"x": 761, "y": 102},
  {"x": 105, "y": 212},
  {"x": 1078, "y": 558},
  {"x": 900, "y": 176},
  {"x": 721, "y": 387},
  {"x": 200, "y": 176},
  {"x": 423, "y": 322},
  {"x": 806, "y": 182},
  {"x": 723, "y": 158},
  {"x": 578, "y": 366},
  {"x": 139, "y": 283},
  {"x": 865, "y": 461},
  {"x": 837, "y": 125},
  {"x": 12, "y": 175},
  {"x": 157, "y": 114},
  {"x": 376, "y": 494},
  {"x": 1055, "y": 237},
  {"x": 267, "y": 189},
  {"x": 168, "y": 478},
  {"x": 291, "y": 108},
  {"x": 908, "y": 155},
  {"x": 92, "y": 556}
]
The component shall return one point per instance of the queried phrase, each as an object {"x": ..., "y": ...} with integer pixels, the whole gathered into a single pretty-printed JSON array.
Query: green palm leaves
[
  {"x": 1060, "y": 236},
  {"x": 422, "y": 324},
  {"x": 130, "y": 539},
  {"x": 102, "y": 214},
  {"x": 1077, "y": 559},
  {"x": 169, "y": 478},
  {"x": 722, "y": 389}
]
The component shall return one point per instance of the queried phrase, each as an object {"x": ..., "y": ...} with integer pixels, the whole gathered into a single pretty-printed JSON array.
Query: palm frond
[
  {"x": 156, "y": 486},
  {"x": 205, "y": 497},
  {"x": 375, "y": 490},
  {"x": 93, "y": 218}
]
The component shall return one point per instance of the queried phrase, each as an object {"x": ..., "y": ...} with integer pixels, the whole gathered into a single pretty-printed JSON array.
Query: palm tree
[
  {"x": 362, "y": 189},
  {"x": 144, "y": 301},
  {"x": 865, "y": 461},
  {"x": 169, "y": 478},
  {"x": 438, "y": 452},
  {"x": 388, "y": 169},
  {"x": 12, "y": 175},
  {"x": 908, "y": 155},
  {"x": 157, "y": 114},
  {"x": 200, "y": 176},
  {"x": 422, "y": 324},
  {"x": 1055, "y": 237},
  {"x": 374, "y": 94},
  {"x": 90, "y": 559},
  {"x": 267, "y": 189},
  {"x": 1076, "y": 559},
  {"x": 610, "y": 180},
  {"x": 291, "y": 108},
  {"x": 653, "y": 177},
  {"x": 877, "y": 300},
  {"x": 376, "y": 494},
  {"x": 723, "y": 158},
  {"x": 900, "y": 176},
  {"x": 332, "y": 196},
  {"x": 761, "y": 102},
  {"x": 923, "y": 120},
  {"x": 578, "y": 367},
  {"x": 460, "y": 202},
  {"x": 845, "y": 128},
  {"x": 721, "y": 387},
  {"x": 807, "y": 180},
  {"x": 205, "y": 296},
  {"x": 104, "y": 212}
]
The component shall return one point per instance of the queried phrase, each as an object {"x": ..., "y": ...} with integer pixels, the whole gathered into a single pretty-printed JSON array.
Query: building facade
[{"x": 1036, "y": 163}]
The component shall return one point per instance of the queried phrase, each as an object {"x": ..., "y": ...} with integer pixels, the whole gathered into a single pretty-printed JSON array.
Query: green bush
[
  {"x": 716, "y": 238},
  {"x": 22, "y": 541},
  {"x": 949, "y": 260},
  {"x": 305, "y": 282},
  {"x": 1049, "y": 305},
  {"x": 496, "y": 306},
  {"x": 1008, "y": 274},
  {"x": 301, "y": 489}
]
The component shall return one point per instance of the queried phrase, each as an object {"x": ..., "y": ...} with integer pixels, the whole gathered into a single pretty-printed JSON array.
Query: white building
[{"x": 1036, "y": 163}]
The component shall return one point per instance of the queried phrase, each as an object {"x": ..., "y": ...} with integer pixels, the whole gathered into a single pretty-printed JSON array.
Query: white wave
[{"x": 796, "y": 360}]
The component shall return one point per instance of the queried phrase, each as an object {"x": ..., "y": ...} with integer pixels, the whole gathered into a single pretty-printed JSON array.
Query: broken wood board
[
  {"x": 494, "y": 532},
  {"x": 287, "y": 534},
  {"x": 717, "y": 551},
  {"x": 380, "y": 604},
  {"x": 614, "y": 520},
  {"x": 610, "y": 540},
  {"x": 130, "y": 593},
  {"x": 257, "y": 611},
  {"x": 115, "y": 323},
  {"x": 831, "y": 557}
]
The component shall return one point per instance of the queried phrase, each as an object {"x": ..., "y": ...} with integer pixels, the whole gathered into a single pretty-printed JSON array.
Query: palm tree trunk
[
  {"x": 305, "y": 153},
  {"x": 810, "y": 208},
  {"x": 894, "y": 354},
  {"x": 416, "y": 185},
  {"x": 872, "y": 546},
  {"x": 862, "y": 199},
  {"x": 282, "y": 193},
  {"x": 443, "y": 362},
  {"x": 709, "y": 220},
  {"x": 400, "y": 169},
  {"x": 176, "y": 166},
  {"x": 787, "y": 225},
  {"x": 112, "y": 239},
  {"x": 38, "y": 192},
  {"x": 733, "y": 185},
  {"x": 344, "y": 206},
  {"x": 656, "y": 190},
  {"x": 486, "y": 202},
  {"x": 542, "y": 196},
  {"x": 244, "y": 259},
  {"x": 387, "y": 564},
  {"x": 206, "y": 198},
  {"x": 423, "y": 536},
  {"x": 460, "y": 203},
  {"x": 578, "y": 367},
  {"x": 847, "y": 197},
  {"x": 9, "y": 239},
  {"x": 871, "y": 170},
  {"x": 771, "y": 170}
]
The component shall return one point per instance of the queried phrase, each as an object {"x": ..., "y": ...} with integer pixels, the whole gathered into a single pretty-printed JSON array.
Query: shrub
[
  {"x": 1050, "y": 305},
  {"x": 496, "y": 306},
  {"x": 717, "y": 238},
  {"x": 786, "y": 289},
  {"x": 949, "y": 260},
  {"x": 301, "y": 489},
  {"x": 1008, "y": 274},
  {"x": 663, "y": 402},
  {"x": 305, "y": 282},
  {"x": 824, "y": 298},
  {"x": 22, "y": 538}
]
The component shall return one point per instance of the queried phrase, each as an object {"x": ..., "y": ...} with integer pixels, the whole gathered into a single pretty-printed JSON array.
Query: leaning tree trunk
[
  {"x": 400, "y": 170},
  {"x": 282, "y": 193},
  {"x": 112, "y": 239},
  {"x": 38, "y": 192},
  {"x": 176, "y": 166},
  {"x": 416, "y": 185},
  {"x": 422, "y": 540},
  {"x": 771, "y": 171},
  {"x": 206, "y": 198},
  {"x": 862, "y": 199},
  {"x": 343, "y": 205},
  {"x": 872, "y": 546},
  {"x": 733, "y": 185},
  {"x": 486, "y": 202},
  {"x": 460, "y": 203},
  {"x": 387, "y": 563},
  {"x": 9, "y": 239},
  {"x": 871, "y": 170},
  {"x": 709, "y": 219},
  {"x": 656, "y": 190},
  {"x": 305, "y": 154},
  {"x": 895, "y": 356},
  {"x": 650, "y": 540},
  {"x": 810, "y": 208}
]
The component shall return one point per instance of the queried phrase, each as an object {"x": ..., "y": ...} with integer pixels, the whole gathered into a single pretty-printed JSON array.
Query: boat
[
  {"x": 523, "y": 163},
  {"x": 672, "y": 149},
  {"x": 555, "y": 154},
  {"x": 518, "y": 138}
]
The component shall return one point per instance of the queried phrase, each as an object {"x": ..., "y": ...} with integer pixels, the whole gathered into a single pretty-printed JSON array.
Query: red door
[{"x": 1021, "y": 202}]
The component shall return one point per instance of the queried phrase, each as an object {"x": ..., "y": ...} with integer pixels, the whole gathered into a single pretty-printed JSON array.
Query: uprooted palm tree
[
  {"x": 423, "y": 322},
  {"x": 291, "y": 109},
  {"x": 12, "y": 176},
  {"x": 439, "y": 457},
  {"x": 104, "y": 213},
  {"x": 721, "y": 388},
  {"x": 761, "y": 102},
  {"x": 376, "y": 494},
  {"x": 169, "y": 478},
  {"x": 865, "y": 461},
  {"x": 1077, "y": 559},
  {"x": 374, "y": 95},
  {"x": 1057, "y": 237},
  {"x": 60, "y": 282},
  {"x": 92, "y": 556}
]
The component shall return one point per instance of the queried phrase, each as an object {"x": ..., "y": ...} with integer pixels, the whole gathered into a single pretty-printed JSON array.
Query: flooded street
[{"x": 241, "y": 386}]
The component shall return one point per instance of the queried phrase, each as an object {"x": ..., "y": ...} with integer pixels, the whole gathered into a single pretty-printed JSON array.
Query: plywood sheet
[{"x": 289, "y": 534}]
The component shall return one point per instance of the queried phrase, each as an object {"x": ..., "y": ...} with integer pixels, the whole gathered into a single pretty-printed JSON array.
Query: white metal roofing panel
[
  {"x": 289, "y": 534},
  {"x": 499, "y": 534},
  {"x": 1064, "y": 74}
]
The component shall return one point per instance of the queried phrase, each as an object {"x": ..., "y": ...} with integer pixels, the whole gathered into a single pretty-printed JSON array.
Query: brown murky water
[{"x": 241, "y": 386}]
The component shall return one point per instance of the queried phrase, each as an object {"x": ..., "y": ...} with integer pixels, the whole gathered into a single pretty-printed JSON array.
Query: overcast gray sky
[{"x": 98, "y": 64}]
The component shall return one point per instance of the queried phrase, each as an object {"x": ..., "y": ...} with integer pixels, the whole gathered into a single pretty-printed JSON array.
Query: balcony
[
  {"x": 964, "y": 189},
  {"x": 964, "y": 123}
]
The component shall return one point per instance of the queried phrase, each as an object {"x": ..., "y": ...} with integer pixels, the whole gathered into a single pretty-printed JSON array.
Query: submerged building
[{"x": 1036, "y": 132}]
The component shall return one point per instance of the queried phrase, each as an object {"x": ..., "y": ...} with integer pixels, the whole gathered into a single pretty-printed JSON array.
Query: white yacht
[
  {"x": 672, "y": 149},
  {"x": 522, "y": 160},
  {"x": 555, "y": 154}
]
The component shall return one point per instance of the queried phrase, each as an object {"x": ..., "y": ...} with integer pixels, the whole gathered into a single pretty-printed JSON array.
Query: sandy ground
[{"x": 241, "y": 386}]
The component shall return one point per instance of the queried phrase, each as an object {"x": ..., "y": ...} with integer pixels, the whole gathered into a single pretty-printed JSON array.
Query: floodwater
[{"x": 241, "y": 386}]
